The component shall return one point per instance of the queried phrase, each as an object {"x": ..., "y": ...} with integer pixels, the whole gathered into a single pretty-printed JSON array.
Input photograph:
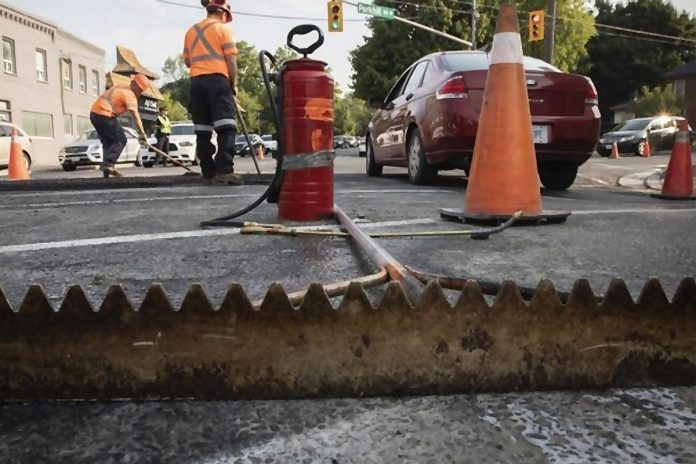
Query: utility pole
[
  {"x": 551, "y": 30},
  {"x": 473, "y": 25}
]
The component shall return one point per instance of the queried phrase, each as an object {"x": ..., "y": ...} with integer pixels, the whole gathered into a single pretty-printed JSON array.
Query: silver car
[{"x": 87, "y": 150}]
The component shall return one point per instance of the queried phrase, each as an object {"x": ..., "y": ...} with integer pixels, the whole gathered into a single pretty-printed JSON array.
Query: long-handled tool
[
  {"x": 250, "y": 228},
  {"x": 189, "y": 171},
  {"x": 240, "y": 118}
]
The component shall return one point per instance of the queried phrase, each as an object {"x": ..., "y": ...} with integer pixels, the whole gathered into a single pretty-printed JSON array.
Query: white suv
[
  {"x": 87, "y": 150},
  {"x": 6, "y": 143},
  {"x": 182, "y": 145}
]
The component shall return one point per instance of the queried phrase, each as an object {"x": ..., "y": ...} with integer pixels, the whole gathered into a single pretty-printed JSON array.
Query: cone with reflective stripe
[
  {"x": 679, "y": 180},
  {"x": 614, "y": 151},
  {"x": 647, "y": 151},
  {"x": 17, "y": 170},
  {"x": 503, "y": 178}
]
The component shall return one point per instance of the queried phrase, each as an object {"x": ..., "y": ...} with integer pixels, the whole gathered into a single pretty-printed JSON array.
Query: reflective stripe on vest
[
  {"x": 107, "y": 96},
  {"x": 200, "y": 37}
]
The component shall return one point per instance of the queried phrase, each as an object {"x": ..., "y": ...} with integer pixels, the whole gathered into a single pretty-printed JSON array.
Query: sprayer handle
[{"x": 305, "y": 29}]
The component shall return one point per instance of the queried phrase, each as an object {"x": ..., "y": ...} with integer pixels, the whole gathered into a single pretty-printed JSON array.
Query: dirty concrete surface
[{"x": 99, "y": 238}]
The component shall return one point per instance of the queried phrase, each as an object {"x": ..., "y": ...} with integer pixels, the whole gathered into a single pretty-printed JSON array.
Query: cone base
[
  {"x": 671, "y": 197},
  {"x": 543, "y": 218}
]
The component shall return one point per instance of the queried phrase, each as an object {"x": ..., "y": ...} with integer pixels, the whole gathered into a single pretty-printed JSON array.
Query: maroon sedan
[{"x": 428, "y": 122}]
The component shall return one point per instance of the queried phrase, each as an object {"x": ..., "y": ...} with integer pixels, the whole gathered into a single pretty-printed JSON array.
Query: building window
[
  {"x": 41, "y": 66},
  {"x": 37, "y": 124},
  {"x": 83, "y": 79},
  {"x": 8, "y": 56},
  {"x": 67, "y": 122},
  {"x": 5, "y": 111},
  {"x": 95, "y": 83},
  {"x": 83, "y": 125},
  {"x": 67, "y": 74},
  {"x": 680, "y": 88}
]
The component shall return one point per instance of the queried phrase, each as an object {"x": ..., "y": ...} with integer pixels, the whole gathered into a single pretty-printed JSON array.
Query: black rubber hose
[{"x": 226, "y": 221}]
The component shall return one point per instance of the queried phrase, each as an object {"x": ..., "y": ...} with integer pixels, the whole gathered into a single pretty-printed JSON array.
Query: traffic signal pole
[
  {"x": 551, "y": 27},
  {"x": 421, "y": 26}
]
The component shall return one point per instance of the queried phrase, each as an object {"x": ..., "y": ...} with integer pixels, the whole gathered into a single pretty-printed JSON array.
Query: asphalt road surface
[{"x": 137, "y": 237}]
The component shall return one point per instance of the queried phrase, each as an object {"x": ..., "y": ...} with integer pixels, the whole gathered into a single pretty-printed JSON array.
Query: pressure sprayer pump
[{"x": 303, "y": 115}]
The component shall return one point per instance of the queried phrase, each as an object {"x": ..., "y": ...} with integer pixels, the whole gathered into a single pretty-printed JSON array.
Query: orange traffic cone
[
  {"x": 17, "y": 170},
  {"x": 679, "y": 181},
  {"x": 259, "y": 154},
  {"x": 647, "y": 152},
  {"x": 614, "y": 151},
  {"x": 504, "y": 178}
]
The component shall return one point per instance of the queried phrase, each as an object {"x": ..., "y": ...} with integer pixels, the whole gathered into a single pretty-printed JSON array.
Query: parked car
[
  {"x": 182, "y": 145},
  {"x": 339, "y": 142},
  {"x": 6, "y": 143},
  {"x": 350, "y": 141},
  {"x": 362, "y": 149},
  {"x": 630, "y": 136},
  {"x": 429, "y": 119},
  {"x": 270, "y": 144},
  {"x": 242, "y": 148},
  {"x": 87, "y": 150}
]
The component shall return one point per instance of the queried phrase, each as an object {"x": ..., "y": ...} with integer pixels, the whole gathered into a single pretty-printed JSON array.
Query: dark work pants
[
  {"x": 212, "y": 109},
  {"x": 111, "y": 136},
  {"x": 162, "y": 144}
]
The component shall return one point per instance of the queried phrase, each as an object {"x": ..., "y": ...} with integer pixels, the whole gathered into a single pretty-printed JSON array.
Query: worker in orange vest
[
  {"x": 113, "y": 103},
  {"x": 210, "y": 53}
]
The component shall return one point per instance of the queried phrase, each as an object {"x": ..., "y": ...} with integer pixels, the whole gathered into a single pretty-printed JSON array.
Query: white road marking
[
  {"x": 30, "y": 247},
  {"x": 201, "y": 197},
  {"x": 633, "y": 211}
]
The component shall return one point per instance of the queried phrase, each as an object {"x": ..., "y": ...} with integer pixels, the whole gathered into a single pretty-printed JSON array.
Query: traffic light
[
  {"x": 335, "y": 9},
  {"x": 536, "y": 25}
]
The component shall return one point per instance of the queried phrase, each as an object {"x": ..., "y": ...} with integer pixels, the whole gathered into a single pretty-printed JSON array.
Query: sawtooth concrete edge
[
  {"x": 38, "y": 185},
  {"x": 355, "y": 350}
]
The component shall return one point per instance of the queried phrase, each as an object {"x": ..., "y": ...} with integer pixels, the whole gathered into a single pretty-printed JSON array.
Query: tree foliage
[
  {"x": 177, "y": 111},
  {"x": 659, "y": 100},
  {"x": 393, "y": 46},
  {"x": 621, "y": 63}
]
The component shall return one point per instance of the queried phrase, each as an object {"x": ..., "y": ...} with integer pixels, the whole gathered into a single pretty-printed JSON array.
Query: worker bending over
[{"x": 104, "y": 115}]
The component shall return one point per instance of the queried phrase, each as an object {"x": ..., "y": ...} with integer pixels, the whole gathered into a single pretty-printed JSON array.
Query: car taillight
[
  {"x": 591, "y": 97},
  {"x": 453, "y": 88}
]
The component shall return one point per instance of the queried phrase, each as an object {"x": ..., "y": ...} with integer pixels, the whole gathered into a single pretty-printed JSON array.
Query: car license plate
[
  {"x": 608, "y": 147},
  {"x": 541, "y": 134}
]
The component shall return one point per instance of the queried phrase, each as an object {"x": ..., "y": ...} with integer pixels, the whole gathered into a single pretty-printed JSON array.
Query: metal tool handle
[{"x": 305, "y": 29}]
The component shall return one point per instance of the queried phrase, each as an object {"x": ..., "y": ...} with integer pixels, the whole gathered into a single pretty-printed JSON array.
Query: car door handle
[{"x": 409, "y": 97}]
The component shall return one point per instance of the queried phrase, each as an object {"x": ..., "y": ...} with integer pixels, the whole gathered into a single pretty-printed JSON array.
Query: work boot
[
  {"x": 229, "y": 179},
  {"x": 110, "y": 172}
]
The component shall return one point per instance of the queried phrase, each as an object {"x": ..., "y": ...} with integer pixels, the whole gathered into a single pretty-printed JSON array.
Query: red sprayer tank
[{"x": 307, "y": 190}]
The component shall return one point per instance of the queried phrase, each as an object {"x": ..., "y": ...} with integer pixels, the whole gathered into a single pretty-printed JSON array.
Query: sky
[{"x": 155, "y": 30}]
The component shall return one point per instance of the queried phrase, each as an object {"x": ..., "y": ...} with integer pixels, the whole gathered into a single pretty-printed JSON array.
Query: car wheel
[
  {"x": 148, "y": 165},
  {"x": 558, "y": 176},
  {"x": 640, "y": 148},
  {"x": 69, "y": 167},
  {"x": 195, "y": 161},
  {"x": 27, "y": 161},
  {"x": 371, "y": 167},
  {"x": 419, "y": 171},
  {"x": 137, "y": 162}
]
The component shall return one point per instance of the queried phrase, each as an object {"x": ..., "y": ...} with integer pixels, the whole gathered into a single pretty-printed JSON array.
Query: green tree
[
  {"x": 177, "y": 111},
  {"x": 659, "y": 100},
  {"x": 393, "y": 46},
  {"x": 622, "y": 63},
  {"x": 175, "y": 69}
]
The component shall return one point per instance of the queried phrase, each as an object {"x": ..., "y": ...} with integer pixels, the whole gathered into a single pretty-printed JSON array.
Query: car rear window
[{"x": 458, "y": 62}]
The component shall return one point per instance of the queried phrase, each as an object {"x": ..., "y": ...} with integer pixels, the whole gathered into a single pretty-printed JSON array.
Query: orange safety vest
[
  {"x": 208, "y": 45},
  {"x": 115, "y": 101}
]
